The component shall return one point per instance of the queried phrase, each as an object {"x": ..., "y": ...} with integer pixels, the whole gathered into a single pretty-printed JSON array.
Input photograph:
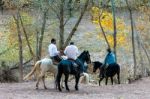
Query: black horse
[
  {"x": 110, "y": 71},
  {"x": 96, "y": 65},
  {"x": 66, "y": 67}
]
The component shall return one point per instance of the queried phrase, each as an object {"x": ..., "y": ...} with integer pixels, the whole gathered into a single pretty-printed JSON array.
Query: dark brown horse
[
  {"x": 110, "y": 71},
  {"x": 66, "y": 67}
]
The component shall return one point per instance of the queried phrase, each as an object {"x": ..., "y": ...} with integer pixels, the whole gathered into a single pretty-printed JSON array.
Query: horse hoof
[
  {"x": 76, "y": 88},
  {"x": 68, "y": 89},
  {"x": 45, "y": 88},
  {"x": 62, "y": 87},
  {"x": 60, "y": 90},
  {"x": 37, "y": 88}
]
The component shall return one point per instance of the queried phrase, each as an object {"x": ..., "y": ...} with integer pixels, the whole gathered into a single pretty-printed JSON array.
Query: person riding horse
[
  {"x": 53, "y": 52},
  {"x": 110, "y": 59},
  {"x": 71, "y": 51}
]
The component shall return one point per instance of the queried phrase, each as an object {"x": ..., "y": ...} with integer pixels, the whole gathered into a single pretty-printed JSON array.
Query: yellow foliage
[
  {"x": 107, "y": 24},
  {"x": 121, "y": 40}
]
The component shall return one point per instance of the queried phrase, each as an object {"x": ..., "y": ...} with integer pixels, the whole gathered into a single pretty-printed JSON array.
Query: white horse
[{"x": 42, "y": 66}]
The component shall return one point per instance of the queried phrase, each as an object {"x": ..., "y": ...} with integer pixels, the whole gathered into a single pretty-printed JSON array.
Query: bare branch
[
  {"x": 76, "y": 25},
  {"x": 104, "y": 34}
]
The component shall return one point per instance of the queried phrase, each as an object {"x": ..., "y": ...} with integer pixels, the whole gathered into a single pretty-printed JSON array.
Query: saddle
[
  {"x": 73, "y": 62},
  {"x": 106, "y": 67},
  {"x": 54, "y": 61}
]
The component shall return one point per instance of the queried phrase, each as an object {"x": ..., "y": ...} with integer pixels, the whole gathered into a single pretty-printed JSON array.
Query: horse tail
[
  {"x": 27, "y": 77},
  {"x": 85, "y": 79}
]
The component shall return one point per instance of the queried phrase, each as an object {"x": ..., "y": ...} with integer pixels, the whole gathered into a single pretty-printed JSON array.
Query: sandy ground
[{"x": 26, "y": 90}]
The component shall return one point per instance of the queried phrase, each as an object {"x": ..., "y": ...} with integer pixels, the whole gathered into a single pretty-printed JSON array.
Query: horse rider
[
  {"x": 53, "y": 52},
  {"x": 109, "y": 59},
  {"x": 71, "y": 51}
]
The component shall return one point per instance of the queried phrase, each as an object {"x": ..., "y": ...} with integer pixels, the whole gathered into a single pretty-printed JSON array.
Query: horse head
[
  {"x": 87, "y": 57},
  {"x": 96, "y": 65}
]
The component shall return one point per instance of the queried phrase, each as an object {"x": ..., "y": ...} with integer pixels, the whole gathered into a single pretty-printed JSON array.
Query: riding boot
[
  {"x": 81, "y": 67},
  {"x": 105, "y": 68}
]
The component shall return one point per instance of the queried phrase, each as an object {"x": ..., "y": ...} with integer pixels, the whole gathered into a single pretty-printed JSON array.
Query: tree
[
  {"x": 26, "y": 37},
  {"x": 133, "y": 40},
  {"x": 104, "y": 20},
  {"x": 114, "y": 25},
  {"x": 76, "y": 25},
  {"x": 2, "y": 5},
  {"x": 63, "y": 19},
  {"x": 20, "y": 47},
  {"x": 42, "y": 33}
]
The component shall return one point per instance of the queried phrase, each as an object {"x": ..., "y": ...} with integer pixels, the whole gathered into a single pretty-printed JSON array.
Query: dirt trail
[{"x": 26, "y": 90}]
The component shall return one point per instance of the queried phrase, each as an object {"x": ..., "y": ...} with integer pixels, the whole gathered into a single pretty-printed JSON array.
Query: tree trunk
[
  {"x": 140, "y": 54},
  {"x": 37, "y": 45},
  {"x": 141, "y": 45},
  {"x": 61, "y": 26},
  {"x": 146, "y": 52},
  {"x": 26, "y": 37},
  {"x": 115, "y": 29},
  {"x": 76, "y": 25},
  {"x": 42, "y": 33},
  {"x": 2, "y": 6},
  {"x": 20, "y": 48},
  {"x": 133, "y": 43},
  {"x": 70, "y": 8},
  {"x": 102, "y": 29}
]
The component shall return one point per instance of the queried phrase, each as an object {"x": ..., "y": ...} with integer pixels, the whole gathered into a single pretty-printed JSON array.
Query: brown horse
[{"x": 110, "y": 71}]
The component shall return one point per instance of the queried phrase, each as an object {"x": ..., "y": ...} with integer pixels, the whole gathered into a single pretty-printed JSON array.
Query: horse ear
[{"x": 86, "y": 51}]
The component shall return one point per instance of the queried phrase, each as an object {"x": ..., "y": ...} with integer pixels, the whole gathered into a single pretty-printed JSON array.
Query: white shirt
[
  {"x": 71, "y": 51},
  {"x": 52, "y": 49}
]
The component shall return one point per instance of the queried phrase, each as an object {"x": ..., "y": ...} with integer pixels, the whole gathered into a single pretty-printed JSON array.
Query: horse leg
[
  {"x": 100, "y": 81},
  {"x": 66, "y": 81},
  {"x": 58, "y": 81},
  {"x": 62, "y": 81},
  {"x": 111, "y": 80},
  {"x": 38, "y": 80},
  {"x": 106, "y": 80},
  {"x": 118, "y": 77},
  {"x": 43, "y": 79},
  {"x": 37, "y": 83},
  {"x": 55, "y": 82},
  {"x": 77, "y": 77}
]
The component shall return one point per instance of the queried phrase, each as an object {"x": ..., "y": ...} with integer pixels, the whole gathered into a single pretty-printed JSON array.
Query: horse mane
[{"x": 81, "y": 54}]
